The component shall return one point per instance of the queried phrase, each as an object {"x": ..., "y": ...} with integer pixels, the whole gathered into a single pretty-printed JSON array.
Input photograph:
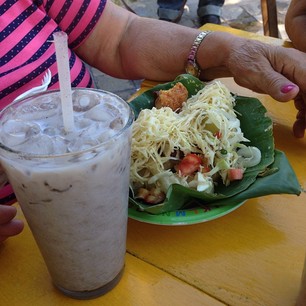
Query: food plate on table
[
  {"x": 183, "y": 205},
  {"x": 189, "y": 216}
]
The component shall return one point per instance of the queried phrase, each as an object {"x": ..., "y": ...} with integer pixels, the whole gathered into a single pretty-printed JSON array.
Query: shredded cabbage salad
[{"x": 206, "y": 125}]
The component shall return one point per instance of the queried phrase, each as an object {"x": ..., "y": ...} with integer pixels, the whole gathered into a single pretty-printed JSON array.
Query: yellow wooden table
[{"x": 252, "y": 256}]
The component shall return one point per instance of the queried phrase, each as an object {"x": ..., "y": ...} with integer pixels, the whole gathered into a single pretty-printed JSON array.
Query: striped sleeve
[
  {"x": 76, "y": 18},
  {"x": 26, "y": 49}
]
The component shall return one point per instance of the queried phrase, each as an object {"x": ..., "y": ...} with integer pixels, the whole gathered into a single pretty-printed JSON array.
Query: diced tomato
[
  {"x": 218, "y": 134},
  {"x": 235, "y": 174},
  {"x": 189, "y": 164},
  {"x": 205, "y": 169}
]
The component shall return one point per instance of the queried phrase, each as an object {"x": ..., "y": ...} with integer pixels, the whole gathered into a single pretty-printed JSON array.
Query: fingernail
[{"x": 287, "y": 88}]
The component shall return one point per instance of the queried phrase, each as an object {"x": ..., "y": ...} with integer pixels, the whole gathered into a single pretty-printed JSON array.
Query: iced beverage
[{"x": 72, "y": 187}]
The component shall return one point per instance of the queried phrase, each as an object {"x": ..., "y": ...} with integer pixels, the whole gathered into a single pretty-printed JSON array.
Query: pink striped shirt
[{"x": 26, "y": 50}]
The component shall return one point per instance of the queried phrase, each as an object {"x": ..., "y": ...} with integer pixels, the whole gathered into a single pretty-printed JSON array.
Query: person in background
[
  {"x": 124, "y": 45},
  {"x": 209, "y": 11},
  {"x": 8, "y": 226},
  {"x": 295, "y": 24}
]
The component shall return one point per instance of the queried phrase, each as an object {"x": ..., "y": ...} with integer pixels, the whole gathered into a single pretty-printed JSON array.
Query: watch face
[{"x": 193, "y": 69}]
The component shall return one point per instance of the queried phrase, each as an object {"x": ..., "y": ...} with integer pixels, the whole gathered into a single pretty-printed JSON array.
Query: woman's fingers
[
  {"x": 274, "y": 70},
  {"x": 12, "y": 228},
  {"x": 299, "y": 127},
  {"x": 277, "y": 71},
  {"x": 7, "y": 213},
  {"x": 300, "y": 123},
  {"x": 8, "y": 226}
]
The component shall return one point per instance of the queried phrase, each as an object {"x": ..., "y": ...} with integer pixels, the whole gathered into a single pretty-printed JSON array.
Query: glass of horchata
[{"x": 72, "y": 186}]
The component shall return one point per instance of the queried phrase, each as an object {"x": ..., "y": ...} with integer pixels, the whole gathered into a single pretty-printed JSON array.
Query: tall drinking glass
[{"x": 72, "y": 187}]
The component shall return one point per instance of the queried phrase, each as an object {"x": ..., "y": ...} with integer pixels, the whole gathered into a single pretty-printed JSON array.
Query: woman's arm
[{"x": 127, "y": 46}]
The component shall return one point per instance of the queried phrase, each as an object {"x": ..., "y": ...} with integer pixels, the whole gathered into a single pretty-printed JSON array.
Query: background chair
[{"x": 269, "y": 18}]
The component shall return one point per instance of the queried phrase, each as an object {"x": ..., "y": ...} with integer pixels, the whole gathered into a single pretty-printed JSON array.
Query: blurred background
[{"x": 240, "y": 14}]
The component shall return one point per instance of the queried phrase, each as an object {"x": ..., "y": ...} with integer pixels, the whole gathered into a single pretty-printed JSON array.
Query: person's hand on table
[
  {"x": 274, "y": 70},
  {"x": 8, "y": 225},
  {"x": 295, "y": 24},
  {"x": 300, "y": 123}
]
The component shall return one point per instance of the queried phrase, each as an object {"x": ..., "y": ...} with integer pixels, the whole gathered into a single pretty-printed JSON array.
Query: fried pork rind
[{"x": 173, "y": 97}]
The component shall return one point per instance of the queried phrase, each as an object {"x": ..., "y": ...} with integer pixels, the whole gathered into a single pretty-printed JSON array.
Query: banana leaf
[{"x": 273, "y": 175}]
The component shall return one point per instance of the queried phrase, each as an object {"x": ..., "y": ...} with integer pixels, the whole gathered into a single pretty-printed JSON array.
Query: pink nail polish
[{"x": 287, "y": 88}]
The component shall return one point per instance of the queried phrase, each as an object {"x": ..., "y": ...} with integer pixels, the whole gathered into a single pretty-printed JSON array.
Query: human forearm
[
  {"x": 147, "y": 48},
  {"x": 137, "y": 48},
  {"x": 164, "y": 53},
  {"x": 160, "y": 50}
]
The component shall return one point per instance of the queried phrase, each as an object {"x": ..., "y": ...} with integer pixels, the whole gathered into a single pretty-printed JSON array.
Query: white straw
[{"x": 62, "y": 58}]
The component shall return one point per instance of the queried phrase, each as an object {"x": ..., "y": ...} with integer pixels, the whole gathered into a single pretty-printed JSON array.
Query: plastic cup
[{"x": 76, "y": 202}]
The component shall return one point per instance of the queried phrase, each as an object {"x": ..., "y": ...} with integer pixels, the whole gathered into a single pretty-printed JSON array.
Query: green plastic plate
[{"x": 185, "y": 216}]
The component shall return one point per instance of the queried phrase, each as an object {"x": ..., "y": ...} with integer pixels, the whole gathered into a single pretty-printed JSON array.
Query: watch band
[{"x": 192, "y": 66}]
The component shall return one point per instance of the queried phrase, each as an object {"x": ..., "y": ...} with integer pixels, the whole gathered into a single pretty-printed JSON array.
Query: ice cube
[
  {"x": 106, "y": 135},
  {"x": 41, "y": 144},
  {"x": 16, "y": 132},
  {"x": 60, "y": 139},
  {"x": 41, "y": 109},
  {"x": 83, "y": 102},
  {"x": 60, "y": 145},
  {"x": 51, "y": 131},
  {"x": 109, "y": 106},
  {"x": 82, "y": 144},
  {"x": 91, "y": 130},
  {"x": 116, "y": 124},
  {"x": 99, "y": 113},
  {"x": 82, "y": 123}
]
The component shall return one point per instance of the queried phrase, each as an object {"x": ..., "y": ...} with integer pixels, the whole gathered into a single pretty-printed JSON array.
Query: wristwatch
[{"x": 192, "y": 66}]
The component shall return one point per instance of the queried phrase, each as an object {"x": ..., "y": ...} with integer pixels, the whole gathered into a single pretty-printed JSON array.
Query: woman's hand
[
  {"x": 9, "y": 226},
  {"x": 300, "y": 123},
  {"x": 274, "y": 70}
]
